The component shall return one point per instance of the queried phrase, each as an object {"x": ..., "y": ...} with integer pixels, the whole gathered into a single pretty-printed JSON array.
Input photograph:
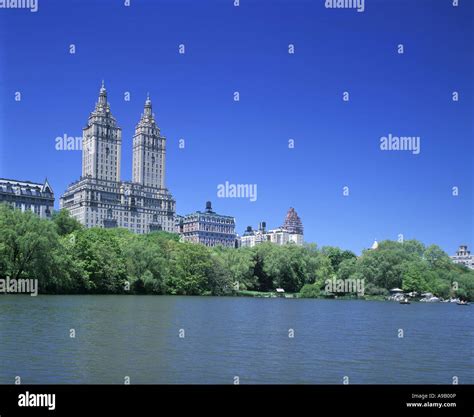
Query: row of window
[{"x": 210, "y": 220}]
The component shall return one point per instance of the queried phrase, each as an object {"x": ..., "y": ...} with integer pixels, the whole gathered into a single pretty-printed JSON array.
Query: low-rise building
[
  {"x": 290, "y": 232},
  {"x": 27, "y": 195},
  {"x": 463, "y": 256},
  {"x": 252, "y": 237},
  {"x": 208, "y": 228},
  {"x": 282, "y": 236}
]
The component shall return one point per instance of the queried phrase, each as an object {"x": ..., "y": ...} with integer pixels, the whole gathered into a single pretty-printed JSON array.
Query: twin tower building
[{"x": 100, "y": 198}]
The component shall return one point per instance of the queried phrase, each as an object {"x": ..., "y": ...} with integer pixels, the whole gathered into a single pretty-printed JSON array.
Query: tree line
[{"x": 67, "y": 258}]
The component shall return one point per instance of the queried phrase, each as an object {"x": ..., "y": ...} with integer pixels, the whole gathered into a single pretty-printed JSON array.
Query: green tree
[
  {"x": 98, "y": 250},
  {"x": 146, "y": 267},
  {"x": 436, "y": 257},
  {"x": 310, "y": 291},
  {"x": 65, "y": 224},
  {"x": 241, "y": 264},
  {"x": 346, "y": 268},
  {"x": 414, "y": 278},
  {"x": 191, "y": 265},
  {"x": 219, "y": 280},
  {"x": 336, "y": 255},
  {"x": 29, "y": 247},
  {"x": 260, "y": 271}
]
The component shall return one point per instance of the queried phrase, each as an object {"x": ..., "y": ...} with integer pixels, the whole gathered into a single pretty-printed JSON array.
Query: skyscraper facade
[{"x": 100, "y": 198}]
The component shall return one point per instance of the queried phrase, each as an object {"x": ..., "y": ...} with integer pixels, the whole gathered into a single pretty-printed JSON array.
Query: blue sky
[{"x": 282, "y": 96}]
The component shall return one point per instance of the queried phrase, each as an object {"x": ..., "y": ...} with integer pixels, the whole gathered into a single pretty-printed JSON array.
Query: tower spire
[
  {"x": 147, "y": 112},
  {"x": 102, "y": 96}
]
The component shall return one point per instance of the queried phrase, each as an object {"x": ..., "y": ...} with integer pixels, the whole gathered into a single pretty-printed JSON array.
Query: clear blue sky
[{"x": 282, "y": 96}]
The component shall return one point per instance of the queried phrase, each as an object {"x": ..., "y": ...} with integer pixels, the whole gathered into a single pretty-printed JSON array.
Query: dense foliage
[{"x": 67, "y": 258}]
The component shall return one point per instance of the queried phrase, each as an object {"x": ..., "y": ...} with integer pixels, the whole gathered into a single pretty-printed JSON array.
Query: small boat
[
  {"x": 405, "y": 301},
  {"x": 462, "y": 303},
  {"x": 431, "y": 299}
]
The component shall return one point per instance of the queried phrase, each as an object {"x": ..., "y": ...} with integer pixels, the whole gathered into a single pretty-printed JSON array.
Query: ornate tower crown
[
  {"x": 293, "y": 222},
  {"x": 147, "y": 119},
  {"x": 101, "y": 112}
]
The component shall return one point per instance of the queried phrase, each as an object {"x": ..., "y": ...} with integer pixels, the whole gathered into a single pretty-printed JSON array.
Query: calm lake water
[{"x": 138, "y": 337}]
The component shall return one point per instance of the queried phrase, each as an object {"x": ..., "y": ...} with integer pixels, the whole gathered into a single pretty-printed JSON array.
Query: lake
[{"x": 174, "y": 340}]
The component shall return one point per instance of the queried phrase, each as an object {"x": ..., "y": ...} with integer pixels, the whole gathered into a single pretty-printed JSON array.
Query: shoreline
[{"x": 268, "y": 295}]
